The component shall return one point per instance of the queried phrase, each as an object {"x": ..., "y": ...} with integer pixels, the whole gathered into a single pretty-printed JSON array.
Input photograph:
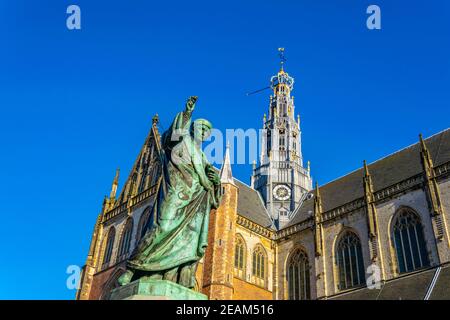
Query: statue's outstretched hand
[{"x": 190, "y": 104}]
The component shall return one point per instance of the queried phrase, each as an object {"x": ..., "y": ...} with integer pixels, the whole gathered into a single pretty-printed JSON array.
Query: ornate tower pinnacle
[{"x": 281, "y": 178}]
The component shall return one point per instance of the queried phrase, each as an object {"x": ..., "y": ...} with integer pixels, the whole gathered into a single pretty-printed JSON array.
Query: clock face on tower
[{"x": 282, "y": 192}]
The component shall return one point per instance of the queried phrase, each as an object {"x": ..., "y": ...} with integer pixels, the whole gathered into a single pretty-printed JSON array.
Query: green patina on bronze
[
  {"x": 156, "y": 289},
  {"x": 189, "y": 189}
]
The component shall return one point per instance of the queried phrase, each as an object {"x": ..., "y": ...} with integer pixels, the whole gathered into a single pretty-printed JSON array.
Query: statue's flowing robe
[{"x": 179, "y": 234}]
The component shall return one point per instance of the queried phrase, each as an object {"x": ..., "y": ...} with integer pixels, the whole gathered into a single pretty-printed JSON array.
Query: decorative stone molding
[
  {"x": 304, "y": 225},
  {"x": 442, "y": 170},
  {"x": 254, "y": 227},
  {"x": 131, "y": 203},
  {"x": 399, "y": 187},
  {"x": 343, "y": 210},
  {"x": 381, "y": 195}
]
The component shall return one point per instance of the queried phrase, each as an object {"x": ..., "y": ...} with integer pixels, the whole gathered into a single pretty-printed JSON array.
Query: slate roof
[
  {"x": 304, "y": 211},
  {"x": 251, "y": 206},
  {"x": 410, "y": 287},
  {"x": 441, "y": 290},
  {"x": 385, "y": 172}
]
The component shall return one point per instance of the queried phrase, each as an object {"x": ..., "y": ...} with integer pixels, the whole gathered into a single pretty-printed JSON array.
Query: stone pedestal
[{"x": 150, "y": 289}]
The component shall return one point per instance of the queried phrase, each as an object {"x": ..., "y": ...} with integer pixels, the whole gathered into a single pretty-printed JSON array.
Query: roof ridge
[
  {"x": 382, "y": 158},
  {"x": 297, "y": 209},
  {"x": 410, "y": 146},
  {"x": 438, "y": 150},
  {"x": 247, "y": 185},
  {"x": 261, "y": 201},
  {"x": 234, "y": 178}
]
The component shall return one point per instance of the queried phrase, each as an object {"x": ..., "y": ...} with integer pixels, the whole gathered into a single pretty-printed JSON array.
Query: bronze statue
[{"x": 190, "y": 187}]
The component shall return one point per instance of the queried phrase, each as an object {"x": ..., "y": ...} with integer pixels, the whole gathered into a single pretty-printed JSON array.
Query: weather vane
[
  {"x": 282, "y": 57},
  {"x": 282, "y": 61}
]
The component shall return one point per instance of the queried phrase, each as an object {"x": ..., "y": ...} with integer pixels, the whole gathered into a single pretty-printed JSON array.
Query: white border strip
[{"x": 433, "y": 283}]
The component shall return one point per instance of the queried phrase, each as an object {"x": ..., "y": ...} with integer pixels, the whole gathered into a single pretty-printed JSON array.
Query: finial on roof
[
  {"x": 226, "y": 176},
  {"x": 316, "y": 188},
  {"x": 115, "y": 183},
  {"x": 427, "y": 160},
  {"x": 366, "y": 168},
  {"x": 422, "y": 142},
  {"x": 155, "y": 119},
  {"x": 317, "y": 198}
]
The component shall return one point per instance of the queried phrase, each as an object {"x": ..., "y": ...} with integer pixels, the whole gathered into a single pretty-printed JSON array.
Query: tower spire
[
  {"x": 226, "y": 176},
  {"x": 281, "y": 178}
]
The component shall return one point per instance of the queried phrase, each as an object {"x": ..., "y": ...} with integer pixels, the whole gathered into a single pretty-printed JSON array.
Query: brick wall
[{"x": 246, "y": 291}]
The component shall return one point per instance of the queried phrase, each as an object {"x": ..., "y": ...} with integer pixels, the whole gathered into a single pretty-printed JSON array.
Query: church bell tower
[{"x": 281, "y": 178}]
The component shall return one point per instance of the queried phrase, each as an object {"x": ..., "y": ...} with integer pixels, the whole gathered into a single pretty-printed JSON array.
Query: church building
[{"x": 379, "y": 232}]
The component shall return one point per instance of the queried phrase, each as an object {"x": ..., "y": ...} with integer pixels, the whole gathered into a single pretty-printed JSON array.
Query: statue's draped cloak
[{"x": 179, "y": 235}]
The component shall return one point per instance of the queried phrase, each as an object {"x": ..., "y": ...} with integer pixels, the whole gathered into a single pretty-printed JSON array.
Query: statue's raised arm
[
  {"x": 180, "y": 125},
  {"x": 184, "y": 117}
]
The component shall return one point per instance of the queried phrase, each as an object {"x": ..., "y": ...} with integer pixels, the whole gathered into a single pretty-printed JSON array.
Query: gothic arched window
[
  {"x": 125, "y": 242},
  {"x": 298, "y": 276},
  {"x": 145, "y": 223},
  {"x": 259, "y": 265},
  {"x": 109, "y": 246},
  {"x": 350, "y": 261},
  {"x": 144, "y": 179},
  {"x": 239, "y": 257},
  {"x": 155, "y": 173},
  {"x": 409, "y": 241}
]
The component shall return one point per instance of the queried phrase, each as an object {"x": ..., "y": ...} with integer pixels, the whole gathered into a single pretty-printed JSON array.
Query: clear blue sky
[{"x": 77, "y": 104}]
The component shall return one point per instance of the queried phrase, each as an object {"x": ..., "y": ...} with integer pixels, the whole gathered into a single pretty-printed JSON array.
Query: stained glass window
[
  {"x": 145, "y": 223},
  {"x": 298, "y": 276},
  {"x": 126, "y": 239},
  {"x": 259, "y": 265},
  {"x": 350, "y": 261},
  {"x": 239, "y": 257},
  {"x": 109, "y": 245},
  {"x": 409, "y": 242}
]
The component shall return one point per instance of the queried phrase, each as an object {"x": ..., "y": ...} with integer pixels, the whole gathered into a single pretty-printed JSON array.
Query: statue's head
[{"x": 201, "y": 129}]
